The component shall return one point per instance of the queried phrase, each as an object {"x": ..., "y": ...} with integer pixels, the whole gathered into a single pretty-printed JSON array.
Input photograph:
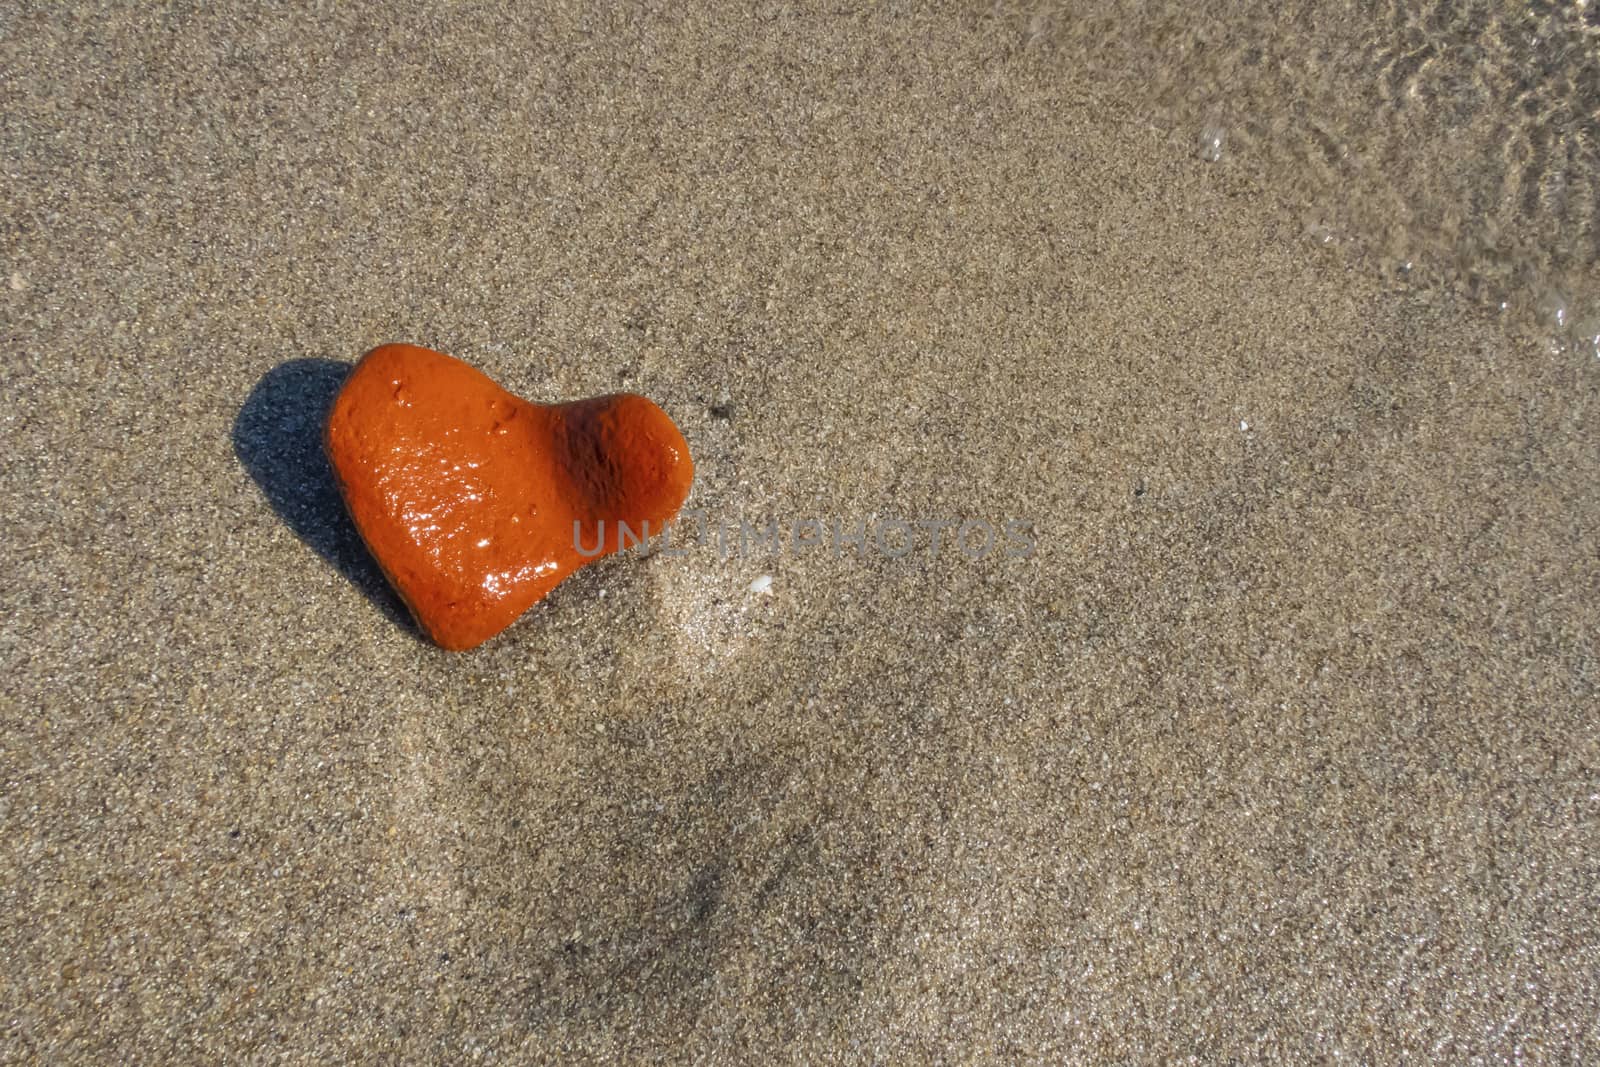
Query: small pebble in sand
[
  {"x": 762, "y": 585},
  {"x": 476, "y": 503},
  {"x": 18, "y": 282}
]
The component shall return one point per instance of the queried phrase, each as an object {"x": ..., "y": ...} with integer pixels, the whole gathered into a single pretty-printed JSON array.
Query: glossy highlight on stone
[{"x": 475, "y": 502}]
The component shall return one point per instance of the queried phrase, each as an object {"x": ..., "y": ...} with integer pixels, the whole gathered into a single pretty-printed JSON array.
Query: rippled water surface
[{"x": 1447, "y": 143}]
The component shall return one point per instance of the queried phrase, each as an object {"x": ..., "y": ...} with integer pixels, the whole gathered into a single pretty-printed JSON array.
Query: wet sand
[{"x": 1280, "y": 746}]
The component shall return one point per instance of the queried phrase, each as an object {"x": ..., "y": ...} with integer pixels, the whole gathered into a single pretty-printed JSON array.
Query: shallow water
[{"x": 1449, "y": 145}]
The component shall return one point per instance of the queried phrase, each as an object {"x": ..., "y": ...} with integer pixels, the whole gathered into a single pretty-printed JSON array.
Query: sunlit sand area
[{"x": 1269, "y": 333}]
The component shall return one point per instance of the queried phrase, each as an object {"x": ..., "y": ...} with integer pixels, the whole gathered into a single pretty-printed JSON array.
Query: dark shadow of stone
[{"x": 278, "y": 438}]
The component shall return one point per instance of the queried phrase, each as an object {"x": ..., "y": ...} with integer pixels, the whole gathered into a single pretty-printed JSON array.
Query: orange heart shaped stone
[{"x": 475, "y": 502}]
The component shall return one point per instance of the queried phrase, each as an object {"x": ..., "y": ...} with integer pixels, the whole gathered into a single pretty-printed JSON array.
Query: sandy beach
[{"x": 1280, "y": 745}]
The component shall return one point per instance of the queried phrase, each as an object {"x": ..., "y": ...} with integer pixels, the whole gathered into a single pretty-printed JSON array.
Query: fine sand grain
[{"x": 1281, "y": 745}]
